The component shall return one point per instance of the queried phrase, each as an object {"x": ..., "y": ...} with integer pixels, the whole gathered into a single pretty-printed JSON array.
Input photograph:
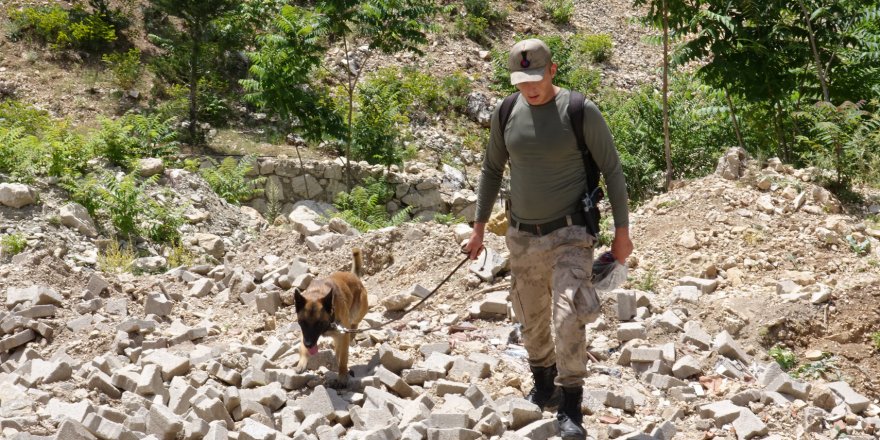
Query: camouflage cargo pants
[{"x": 551, "y": 284}]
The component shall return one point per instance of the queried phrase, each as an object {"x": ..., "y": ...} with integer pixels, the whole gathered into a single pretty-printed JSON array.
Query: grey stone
[
  {"x": 686, "y": 367},
  {"x": 725, "y": 345},
  {"x": 786, "y": 385},
  {"x": 628, "y": 331},
  {"x": 695, "y": 335},
  {"x": 75, "y": 216},
  {"x": 626, "y": 305},
  {"x": 857, "y": 402},
  {"x": 539, "y": 430},
  {"x": 35, "y": 295},
  {"x": 163, "y": 423},
  {"x": 157, "y": 304},
  {"x": 393, "y": 359},
  {"x": 16, "y": 195},
  {"x": 748, "y": 425},
  {"x": 723, "y": 412}
]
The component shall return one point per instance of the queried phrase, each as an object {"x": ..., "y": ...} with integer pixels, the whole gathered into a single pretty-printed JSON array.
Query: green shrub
[
  {"x": 597, "y": 48},
  {"x": 479, "y": 16},
  {"x": 62, "y": 28},
  {"x": 13, "y": 244},
  {"x": 228, "y": 180},
  {"x": 560, "y": 10},
  {"x": 126, "y": 68},
  {"x": 93, "y": 32},
  {"x": 449, "y": 219},
  {"x": 364, "y": 207},
  {"x": 178, "y": 256},
  {"x": 43, "y": 23},
  {"x": 164, "y": 222},
  {"x": 784, "y": 357},
  {"x": 135, "y": 136},
  {"x": 585, "y": 80},
  {"x": 125, "y": 203},
  {"x": 116, "y": 258},
  {"x": 86, "y": 191},
  {"x": 875, "y": 340},
  {"x": 378, "y": 123},
  {"x": 32, "y": 144}
]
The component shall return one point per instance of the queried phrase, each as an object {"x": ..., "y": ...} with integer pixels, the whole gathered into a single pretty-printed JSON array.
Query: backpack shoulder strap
[
  {"x": 506, "y": 109},
  {"x": 576, "y": 117}
]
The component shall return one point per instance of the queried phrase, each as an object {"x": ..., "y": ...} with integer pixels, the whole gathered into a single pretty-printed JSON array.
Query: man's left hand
[{"x": 622, "y": 246}]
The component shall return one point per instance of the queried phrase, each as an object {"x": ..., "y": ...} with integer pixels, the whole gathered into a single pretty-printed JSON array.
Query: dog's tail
[{"x": 358, "y": 260}]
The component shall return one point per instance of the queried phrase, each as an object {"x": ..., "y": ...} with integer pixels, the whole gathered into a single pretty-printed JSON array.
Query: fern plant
[
  {"x": 228, "y": 179},
  {"x": 364, "y": 207},
  {"x": 125, "y": 202}
]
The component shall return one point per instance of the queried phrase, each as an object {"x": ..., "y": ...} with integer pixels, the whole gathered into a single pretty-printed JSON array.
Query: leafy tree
[
  {"x": 673, "y": 17},
  {"x": 197, "y": 17}
]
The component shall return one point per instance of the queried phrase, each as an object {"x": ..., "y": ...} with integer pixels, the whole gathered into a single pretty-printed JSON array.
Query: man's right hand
[{"x": 475, "y": 244}]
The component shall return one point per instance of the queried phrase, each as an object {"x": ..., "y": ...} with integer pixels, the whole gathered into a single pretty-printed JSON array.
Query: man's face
[{"x": 539, "y": 92}]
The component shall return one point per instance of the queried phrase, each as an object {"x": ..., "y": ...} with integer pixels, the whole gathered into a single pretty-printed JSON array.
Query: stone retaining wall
[{"x": 428, "y": 191}]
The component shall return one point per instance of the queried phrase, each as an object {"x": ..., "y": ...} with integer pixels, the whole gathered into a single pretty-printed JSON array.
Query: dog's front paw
[
  {"x": 337, "y": 382},
  {"x": 300, "y": 366}
]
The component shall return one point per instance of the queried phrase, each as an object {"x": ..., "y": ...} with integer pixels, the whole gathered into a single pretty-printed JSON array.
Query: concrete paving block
[
  {"x": 723, "y": 412},
  {"x": 705, "y": 285},
  {"x": 376, "y": 398},
  {"x": 645, "y": 354},
  {"x": 171, "y": 364},
  {"x": 427, "y": 349},
  {"x": 275, "y": 348},
  {"x": 310, "y": 425},
  {"x": 743, "y": 398},
  {"x": 689, "y": 294},
  {"x": 539, "y": 430},
  {"x": 254, "y": 430},
  {"x": 394, "y": 382},
  {"x": 180, "y": 394},
  {"x": 58, "y": 410},
  {"x": 73, "y": 430},
  {"x": 163, "y": 423},
  {"x": 150, "y": 382},
  {"x": 217, "y": 431},
  {"x": 270, "y": 395},
  {"x": 366, "y": 418},
  {"x": 126, "y": 379},
  {"x": 16, "y": 340},
  {"x": 628, "y": 331},
  {"x": 477, "y": 396},
  {"x": 522, "y": 413},
  {"x": 725, "y": 345},
  {"x": 35, "y": 295},
  {"x": 228, "y": 375},
  {"x": 106, "y": 429},
  {"x": 696, "y": 336},
  {"x": 670, "y": 321},
  {"x": 465, "y": 370},
  {"x": 324, "y": 402},
  {"x": 211, "y": 409},
  {"x": 490, "y": 425},
  {"x": 290, "y": 379},
  {"x": 268, "y": 302},
  {"x": 748, "y": 425},
  {"x": 157, "y": 304},
  {"x": 453, "y": 434},
  {"x": 786, "y": 385},
  {"x": 394, "y": 359},
  {"x": 97, "y": 285},
  {"x": 626, "y": 304},
  {"x": 686, "y": 367},
  {"x": 438, "y": 361},
  {"x": 201, "y": 288},
  {"x": 444, "y": 420},
  {"x": 414, "y": 411},
  {"x": 857, "y": 402},
  {"x": 444, "y": 387}
]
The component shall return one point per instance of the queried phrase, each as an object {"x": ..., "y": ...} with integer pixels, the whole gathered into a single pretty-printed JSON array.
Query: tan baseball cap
[{"x": 528, "y": 61}]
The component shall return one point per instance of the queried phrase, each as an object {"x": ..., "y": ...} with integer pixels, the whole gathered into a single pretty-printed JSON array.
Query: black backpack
[{"x": 576, "y": 116}]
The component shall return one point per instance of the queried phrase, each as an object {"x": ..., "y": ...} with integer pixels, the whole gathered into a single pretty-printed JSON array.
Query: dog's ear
[
  {"x": 327, "y": 301},
  {"x": 299, "y": 300}
]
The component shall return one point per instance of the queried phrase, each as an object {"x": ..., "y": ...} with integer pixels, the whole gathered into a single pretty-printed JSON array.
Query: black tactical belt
[{"x": 577, "y": 218}]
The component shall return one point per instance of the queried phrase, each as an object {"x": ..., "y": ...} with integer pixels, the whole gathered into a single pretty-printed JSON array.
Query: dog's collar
[{"x": 337, "y": 327}]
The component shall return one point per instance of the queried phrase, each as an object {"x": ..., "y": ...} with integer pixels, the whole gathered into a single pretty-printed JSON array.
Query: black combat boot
[
  {"x": 545, "y": 393},
  {"x": 571, "y": 420}
]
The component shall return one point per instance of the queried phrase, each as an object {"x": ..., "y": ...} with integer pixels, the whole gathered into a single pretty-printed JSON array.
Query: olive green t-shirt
[{"x": 547, "y": 175}]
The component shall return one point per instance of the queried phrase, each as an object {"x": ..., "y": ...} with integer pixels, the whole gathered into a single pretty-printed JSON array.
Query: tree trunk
[
  {"x": 736, "y": 129},
  {"x": 820, "y": 72},
  {"x": 195, "y": 35},
  {"x": 349, "y": 135},
  {"x": 666, "y": 145}
]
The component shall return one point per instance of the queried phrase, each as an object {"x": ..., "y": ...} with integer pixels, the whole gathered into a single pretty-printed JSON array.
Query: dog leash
[{"x": 339, "y": 328}]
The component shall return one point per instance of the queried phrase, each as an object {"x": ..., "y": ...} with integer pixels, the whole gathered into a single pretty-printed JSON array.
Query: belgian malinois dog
[{"x": 337, "y": 299}]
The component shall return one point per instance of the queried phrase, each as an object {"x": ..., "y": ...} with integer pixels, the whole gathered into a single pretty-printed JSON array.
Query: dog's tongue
[{"x": 313, "y": 349}]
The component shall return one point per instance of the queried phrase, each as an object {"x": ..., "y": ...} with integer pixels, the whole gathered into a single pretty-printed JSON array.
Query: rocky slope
[{"x": 726, "y": 267}]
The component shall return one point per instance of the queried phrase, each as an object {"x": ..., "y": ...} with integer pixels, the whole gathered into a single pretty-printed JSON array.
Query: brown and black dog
[{"x": 339, "y": 298}]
